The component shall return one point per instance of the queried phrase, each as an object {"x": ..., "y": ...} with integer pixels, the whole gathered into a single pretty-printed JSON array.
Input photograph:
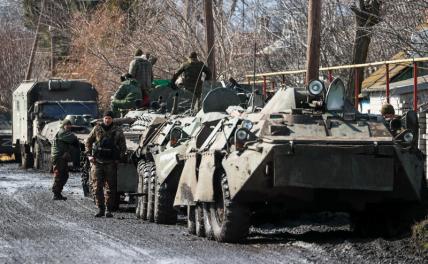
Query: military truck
[
  {"x": 5, "y": 134},
  {"x": 305, "y": 151},
  {"x": 36, "y": 103}
]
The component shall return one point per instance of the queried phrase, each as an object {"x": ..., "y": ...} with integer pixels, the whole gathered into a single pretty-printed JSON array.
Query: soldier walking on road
[
  {"x": 105, "y": 147},
  {"x": 141, "y": 70},
  {"x": 192, "y": 70},
  {"x": 61, "y": 155}
]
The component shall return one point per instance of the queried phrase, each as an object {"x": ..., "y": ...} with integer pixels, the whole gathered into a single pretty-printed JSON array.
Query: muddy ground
[{"x": 35, "y": 229}]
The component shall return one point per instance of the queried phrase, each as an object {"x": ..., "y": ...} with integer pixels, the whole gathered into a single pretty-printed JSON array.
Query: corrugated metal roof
[
  {"x": 401, "y": 87},
  {"x": 378, "y": 78}
]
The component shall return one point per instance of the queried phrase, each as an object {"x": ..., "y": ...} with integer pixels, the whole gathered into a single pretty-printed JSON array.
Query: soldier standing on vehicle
[
  {"x": 128, "y": 96},
  {"x": 61, "y": 151},
  {"x": 141, "y": 70},
  {"x": 192, "y": 70},
  {"x": 105, "y": 147}
]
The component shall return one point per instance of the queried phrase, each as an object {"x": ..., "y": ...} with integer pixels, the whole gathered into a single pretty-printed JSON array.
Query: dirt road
[{"x": 35, "y": 229}]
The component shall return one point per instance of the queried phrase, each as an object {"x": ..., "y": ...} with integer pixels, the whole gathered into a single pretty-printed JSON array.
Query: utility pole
[
  {"x": 209, "y": 29},
  {"x": 34, "y": 47},
  {"x": 313, "y": 44}
]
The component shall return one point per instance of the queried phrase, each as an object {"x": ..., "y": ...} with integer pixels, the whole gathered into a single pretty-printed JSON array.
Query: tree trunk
[
  {"x": 366, "y": 17},
  {"x": 314, "y": 32},
  {"x": 209, "y": 27}
]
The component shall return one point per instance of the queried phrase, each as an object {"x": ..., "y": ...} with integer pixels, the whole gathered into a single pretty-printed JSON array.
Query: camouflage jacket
[
  {"x": 99, "y": 132},
  {"x": 63, "y": 143},
  {"x": 126, "y": 96},
  {"x": 192, "y": 70},
  {"x": 141, "y": 70}
]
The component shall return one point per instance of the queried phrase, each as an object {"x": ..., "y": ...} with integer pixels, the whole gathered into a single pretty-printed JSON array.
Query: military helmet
[
  {"x": 66, "y": 122},
  {"x": 193, "y": 55},
  {"x": 387, "y": 109}
]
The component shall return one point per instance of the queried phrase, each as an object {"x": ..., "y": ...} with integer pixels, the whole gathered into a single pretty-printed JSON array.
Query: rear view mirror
[{"x": 410, "y": 121}]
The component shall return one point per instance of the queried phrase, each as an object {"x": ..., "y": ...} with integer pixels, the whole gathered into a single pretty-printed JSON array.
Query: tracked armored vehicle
[{"x": 306, "y": 151}]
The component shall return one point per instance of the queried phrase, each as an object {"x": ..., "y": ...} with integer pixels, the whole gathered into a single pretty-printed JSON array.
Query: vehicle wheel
[
  {"x": 27, "y": 159},
  {"x": 151, "y": 192},
  {"x": 164, "y": 212},
  {"x": 191, "y": 225},
  {"x": 146, "y": 171},
  {"x": 17, "y": 153},
  {"x": 199, "y": 221},
  {"x": 140, "y": 168},
  {"x": 37, "y": 156},
  {"x": 207, "y": 221},
  {"x": 230, "y": 221}
]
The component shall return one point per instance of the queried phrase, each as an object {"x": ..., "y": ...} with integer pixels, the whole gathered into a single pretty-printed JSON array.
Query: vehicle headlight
[
  {"x": 241, "y": 135},
  {"x": 247, "y": 124},
  {"x": 316, "y": 87},
  {"x": 408, "y": 137}
]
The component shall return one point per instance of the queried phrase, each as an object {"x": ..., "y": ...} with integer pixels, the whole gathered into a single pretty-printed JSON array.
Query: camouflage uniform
[
  {"x": 61, "y": 152},
  {"x": 192, "y": 70},
  {"x": 104, "y": 171},
  {"x": 141, "y": 70},
  {"x": 126, "y": 96}
]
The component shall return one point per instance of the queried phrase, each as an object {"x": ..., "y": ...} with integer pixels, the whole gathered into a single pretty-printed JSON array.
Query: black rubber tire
[
  {"x": 164, "y": 212},
  {"x": 230, "y": 221},
  {"x": 38, "y": 156},
  {"x": 151, "y": 193},
  {"x": 140, "y": 170},
  {"x": 207, "y": 221},
  {"x": 191, "y": 225},
  {"x": 27, "y": 160},
  {"x": 144, "y": 199},
  {"x": 199, "y": 221}
]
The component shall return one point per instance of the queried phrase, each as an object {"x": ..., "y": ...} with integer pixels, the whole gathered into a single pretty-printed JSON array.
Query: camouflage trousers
[
  {"x": 196, "y": 98},
  {"x": 104, "y": 183},
  {"x": 60, "y": 172}
]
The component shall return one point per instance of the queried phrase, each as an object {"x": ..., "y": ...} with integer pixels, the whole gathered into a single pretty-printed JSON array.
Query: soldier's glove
[{"x": 91, "y": 159}]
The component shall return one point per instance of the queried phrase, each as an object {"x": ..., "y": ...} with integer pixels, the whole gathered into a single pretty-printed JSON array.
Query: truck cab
[{"x": 37, "y": 103}]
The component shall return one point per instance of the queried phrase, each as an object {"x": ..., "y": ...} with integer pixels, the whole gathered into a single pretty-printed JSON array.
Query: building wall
[{"x": 400, "y": 102}]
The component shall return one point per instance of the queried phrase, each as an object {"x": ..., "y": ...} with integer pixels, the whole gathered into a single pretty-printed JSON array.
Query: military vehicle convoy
[
  {"x": 37, "y": 103},
  {"x": 164, "y": 140},
  {"x": 305, "y": 151}
]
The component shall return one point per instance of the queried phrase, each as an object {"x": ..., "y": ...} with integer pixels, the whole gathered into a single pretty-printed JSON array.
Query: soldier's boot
[
  {"x": 101, "y": 212},
  {"x": 108, "y": 213},
  {"x": 58, "y": 196},
  {"x": 85, "y": 190}
]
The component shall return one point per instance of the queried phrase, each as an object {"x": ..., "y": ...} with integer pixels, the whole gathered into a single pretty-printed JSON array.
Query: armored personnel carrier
[
  {"x": 305, "y": 151},
  {"x": 161, "y": 146}
]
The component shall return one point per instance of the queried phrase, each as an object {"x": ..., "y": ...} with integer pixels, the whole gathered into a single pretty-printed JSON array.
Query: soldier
[
  {"x": 128, "y": 96},
  {"x": 387, "y": 111},
  {"x": 105, "y": 146},
  {"x": 192, "y": 70},
  {"x": 61, "y": 151},
  {"x": 141, "y": 70}
]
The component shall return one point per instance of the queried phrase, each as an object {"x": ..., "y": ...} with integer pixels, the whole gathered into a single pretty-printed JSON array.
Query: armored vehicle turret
[{"x": 305, "y": 151}]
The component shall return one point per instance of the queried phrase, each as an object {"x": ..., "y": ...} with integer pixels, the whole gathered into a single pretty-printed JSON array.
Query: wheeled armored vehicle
[{"x": 305, "y": 151}]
